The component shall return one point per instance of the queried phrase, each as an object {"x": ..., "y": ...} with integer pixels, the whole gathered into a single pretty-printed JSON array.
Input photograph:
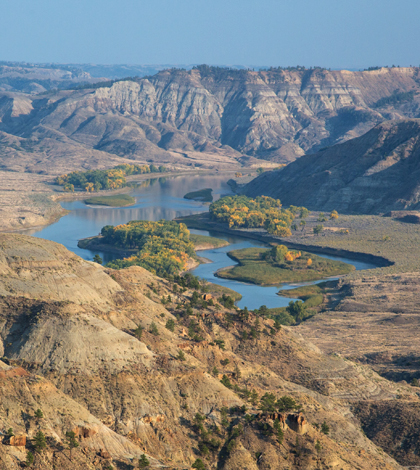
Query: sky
[{"x": 349, "y": 34}]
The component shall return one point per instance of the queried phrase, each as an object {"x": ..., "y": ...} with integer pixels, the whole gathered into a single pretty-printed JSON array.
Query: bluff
[
  {"x": 375, "y": 173},
  {"x": 207, "y": 116}
]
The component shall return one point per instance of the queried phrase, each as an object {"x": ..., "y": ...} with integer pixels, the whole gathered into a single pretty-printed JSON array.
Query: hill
[
  {"x": 375, "y": 173},
  {"x": 207, "y": 116},
  {"x": 98, "y": 353}
]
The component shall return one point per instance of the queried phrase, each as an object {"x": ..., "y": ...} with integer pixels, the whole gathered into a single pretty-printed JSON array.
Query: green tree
[
  {"x": 215, "y": 371},
  {"x": 268, "y": 402},
  {"x": 226, "y": 382},
  {"x": 199, "y": 465},
  {"x": 154, "y": 329},
  {"x": 40, "y": 442},
  {"x": 143, "y": 461},
  {"x": 286, "y": 403},
  {"x": 97, "y": 259},
  {"x": 321, "y": 217},
  {"x": 279, "y": 431},
  {"x": 325, "y": 429},
  {"x": 260, "y": 170},
  {"x": 170, "y": 325},
  {"x": 181, "y": 355},
  {"x": 415, "y": 383},
  {"x": 318, "y": 447},
  {"x": 9, "y": 432},
  {"x": 297, "y": 310},
  {"x": 138, "y": 332},
  {"x": 39, "y": 414},
  {"x": 29, "y": 459},
  {"x": 72, "y": 442},
  {"x": 318, "y": 229}
]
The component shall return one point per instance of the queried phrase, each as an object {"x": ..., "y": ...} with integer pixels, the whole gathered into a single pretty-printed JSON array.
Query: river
[{"x": 162, "y": 198}]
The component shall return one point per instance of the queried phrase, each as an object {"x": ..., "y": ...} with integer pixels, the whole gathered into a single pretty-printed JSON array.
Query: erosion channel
[{"x": 162, "y": 198}]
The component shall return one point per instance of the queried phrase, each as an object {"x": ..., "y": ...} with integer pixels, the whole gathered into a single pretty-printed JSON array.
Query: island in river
[{"x": 261, "y": 266}]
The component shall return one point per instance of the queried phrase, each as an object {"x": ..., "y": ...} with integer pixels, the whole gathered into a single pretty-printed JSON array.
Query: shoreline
[{"x": 205, "y": 224}]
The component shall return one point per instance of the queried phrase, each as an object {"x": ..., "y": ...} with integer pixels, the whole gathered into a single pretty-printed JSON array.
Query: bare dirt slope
[
  {"x": 375, "y": 173},
  {"x": 68, "y": 346}
]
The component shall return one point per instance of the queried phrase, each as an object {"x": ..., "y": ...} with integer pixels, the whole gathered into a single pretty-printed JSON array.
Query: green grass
[
  {"x": 200, "y": 240},
  {"x": 203, "y": 195},
  {"x": 118, "y": 200},
  {"x": 255, "y": 269}
]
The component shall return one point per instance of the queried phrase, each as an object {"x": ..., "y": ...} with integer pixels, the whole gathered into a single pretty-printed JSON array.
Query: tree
[
  {"x": 318, "y": 447},
  {"x": 334, "y": 215},
  {"x": 321, "y": 217},
  {"x": 279, "y": 431},
  {"x": 72, "y": 442},
  {"x": 170, "y": 325},
  {"x": 260, "y": 170},
  {"x": 39, "y": 442},
  {"x": 309, "y": 262},
  {"x": 199, "y": 465},
  {"x": 318, "y": 229},
  {"x": 226, "y": 382},
  {"x": 415, "y": 383},
  {"x": 143, "y": 461},
  {"x": 138, "y": 332},
  {"x": 29, "y": 459},
  {"x": 97, "y": 259},
  {"x": 286, "y": 403},
  {"x": 297, "y": 310},
  {"x": 268, "y": 402},
  {"x": 325, "y": 429},
  {"x": 153, "y": 329},
  {"x": 181, "y": 355},
  {"x": 10, "y": 432},
  {"x": 304, "y": 212},
  {"x": 39, "y": 414}
]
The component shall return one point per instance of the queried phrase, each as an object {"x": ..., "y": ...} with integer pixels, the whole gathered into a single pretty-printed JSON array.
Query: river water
[{"x": 162, "y": 198}]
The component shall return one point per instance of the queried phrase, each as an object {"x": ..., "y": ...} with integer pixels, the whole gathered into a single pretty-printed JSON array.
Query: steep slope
[
  {"x": 210, "y": 116},
  {"x": 79, "y": 361},
  {"x": 375, "y": 173}
]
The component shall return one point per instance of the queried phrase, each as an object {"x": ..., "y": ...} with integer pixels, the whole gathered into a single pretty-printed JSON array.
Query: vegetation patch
[
  {"x": 118, "y": 200},
  {"x": 164, "y": 247},
  {"x": 204, "y": 195},
  {"x": 95, "y": 180},
  {"x": 275, "y": 266},
  {"x": 206, "y": 243},
  {"x": 263, "y": 211}
]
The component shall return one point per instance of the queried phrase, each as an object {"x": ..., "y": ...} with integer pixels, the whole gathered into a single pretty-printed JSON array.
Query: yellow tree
[{"x": 89, "y": 187}]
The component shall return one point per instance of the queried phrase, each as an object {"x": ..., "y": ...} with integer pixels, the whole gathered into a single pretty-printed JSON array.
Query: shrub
[
  {"x": 154, "y": 329},
  {"x": 325, "y": 429},
  {"x": 170, "y": 325},
  {"x": 143, "y": 461}
]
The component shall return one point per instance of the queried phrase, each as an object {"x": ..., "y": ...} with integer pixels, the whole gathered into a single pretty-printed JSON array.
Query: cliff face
[
  {"x": 375, "y": 173},
  {"x": 210, "y": 116}
]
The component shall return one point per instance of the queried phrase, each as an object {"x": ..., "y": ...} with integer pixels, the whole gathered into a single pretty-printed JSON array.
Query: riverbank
[{"x": 202, "y": 222}]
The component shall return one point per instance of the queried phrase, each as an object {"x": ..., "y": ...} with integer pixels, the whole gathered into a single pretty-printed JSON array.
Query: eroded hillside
[
  {"x": 207, "y": 116},
  {"x": 72, "y": 347},
  {"x": 375, "y": 173}
]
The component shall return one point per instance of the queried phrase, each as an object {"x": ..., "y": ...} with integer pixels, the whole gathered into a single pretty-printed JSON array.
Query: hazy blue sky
[{"x": 330, "y": 33}]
